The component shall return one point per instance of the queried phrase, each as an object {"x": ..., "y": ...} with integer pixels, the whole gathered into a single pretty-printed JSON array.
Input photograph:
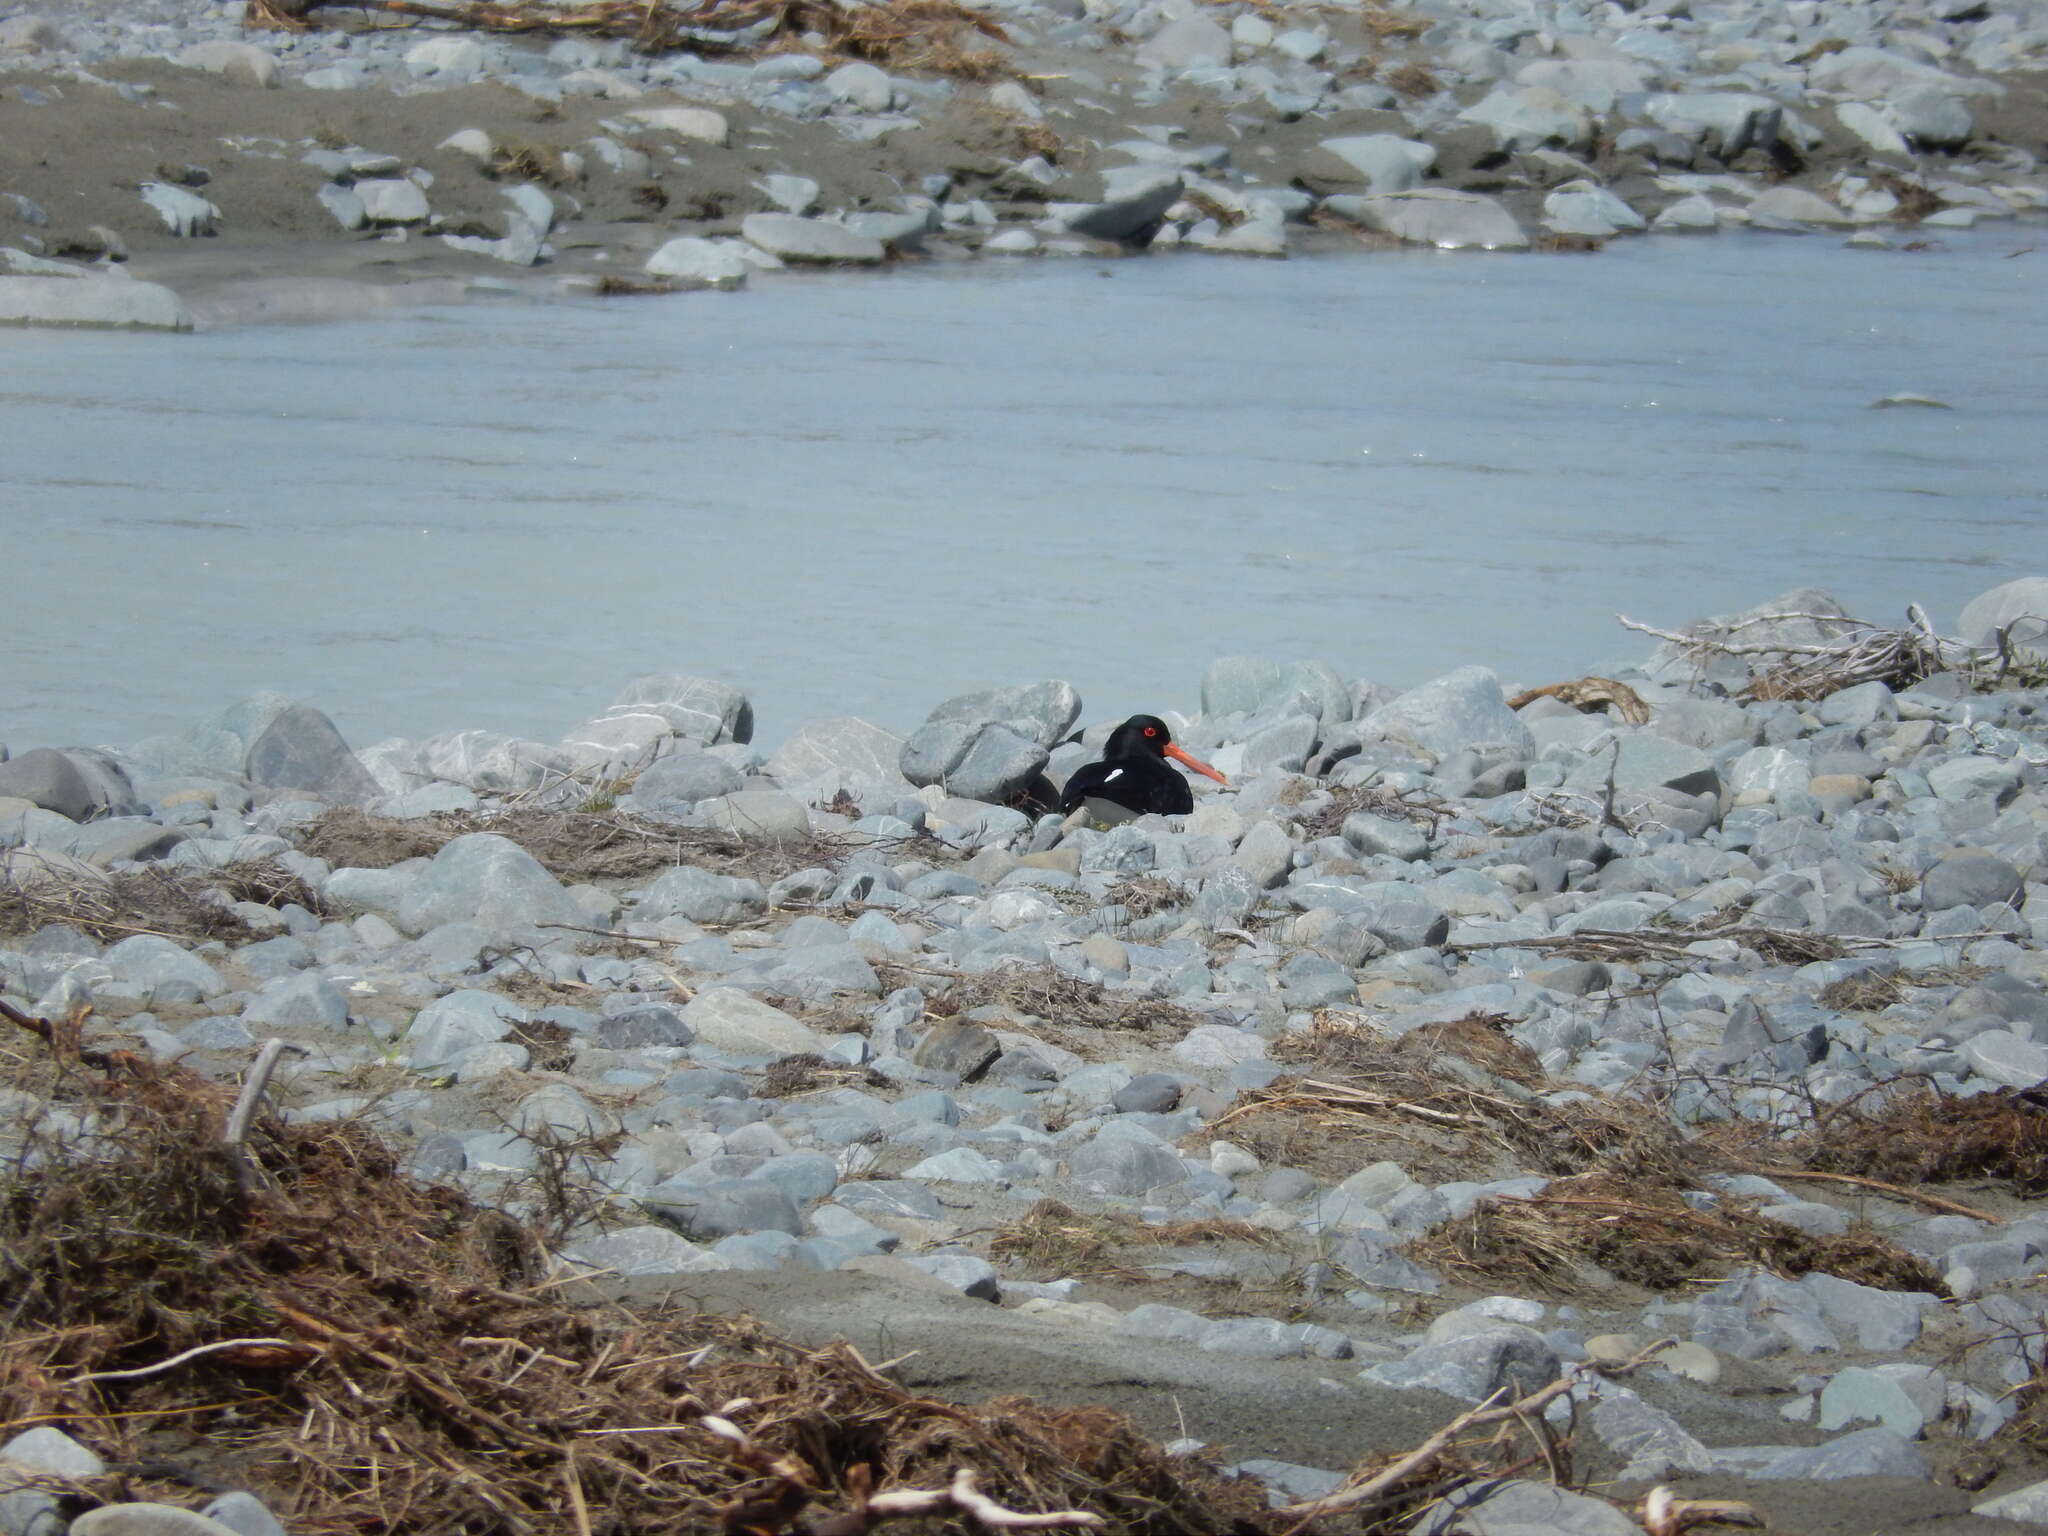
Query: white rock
[
  {"x": 1450, "y": 221},
  {"x": 244, "y": 62},
  {"x": 696, "y": 263},
  {"x": 473, "y": 142},
  {"x": 456, "y": 58},
  {"x": 184, "y": 213},
  {"x": 810, "y": 240},
  {"x": 392, "y": 200},
  {"x": 700, "y": 125},
  {"x": 115, "y": 302}
]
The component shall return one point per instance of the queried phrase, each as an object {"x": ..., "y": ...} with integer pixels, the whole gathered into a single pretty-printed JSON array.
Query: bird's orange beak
[{"x": 1195, "y": 763}]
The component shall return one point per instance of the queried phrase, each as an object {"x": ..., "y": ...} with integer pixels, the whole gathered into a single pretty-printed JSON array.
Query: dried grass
[
  {"x": 1413, "y": 80},
  {"x": 1647, "y": 1235},
  {"x": 1054, "y": 1241},
  {"x": 899, "y": 34},
  {"x": 181, "y": 904},
  {"x": 1920, "y": 1136},
  {"x": 1395, "y": 804},
  {"x": 578, "y": 845},
  {"x": 391, "y": 1365},
  {"x": 1071, "y": 1012}
]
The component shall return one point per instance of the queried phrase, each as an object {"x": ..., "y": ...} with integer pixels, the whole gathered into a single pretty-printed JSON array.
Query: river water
[{"x": 862, "y": 494}]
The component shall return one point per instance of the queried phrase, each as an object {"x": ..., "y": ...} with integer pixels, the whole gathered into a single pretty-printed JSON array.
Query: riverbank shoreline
[
  {"x": 1294, "y": 1126},
  {"x": 301, "y": 175}
]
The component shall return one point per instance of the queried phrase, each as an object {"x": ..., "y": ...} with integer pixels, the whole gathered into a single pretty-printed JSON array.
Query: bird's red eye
[{"x": 1151, "y": 731}]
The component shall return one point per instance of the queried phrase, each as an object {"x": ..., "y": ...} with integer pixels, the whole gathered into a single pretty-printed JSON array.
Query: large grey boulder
[
  {"x": 685, "y": 778},
  {"x": 990, "y": 745},
  {"x": 1386, "y": 161},
  {"x": 110, "y": 303},
  {"x": 450, "y": 1027},
  {"x": 1532, "y": 117},
  {"x": 728, "y": 1019},
  {"x": 2023, "y": 604},
  {"x": 1434, "y": 216},
  {"x": 301, "y": 749},
  {"x": 848, "y": 749},
  {"x": 491, "y": 881},
  {"x": 699, "y": 709},
  {"x": 49, "y": 779},
  {"x": 1461, "y": 709},
  {"x": 702, "y": 897},
  {"x": 1192, "y": 42},
  {"x": 1255, "y": 685},
  {"x": 1134, "y": 203},
  {"x": 811, "y": 242}
]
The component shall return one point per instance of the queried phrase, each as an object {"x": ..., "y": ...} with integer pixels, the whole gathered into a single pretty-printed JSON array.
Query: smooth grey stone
[
  {"x": 1970, "y": 877},
  {"x": 1253, "y": 685},
  {"x": 700, "y": 709},
  {"x": 1126, "y": 1164},
  {"x": 962, "y": 1272},
  {"x": 1654, "y": 1443},
  {"x": 1461, "y": 709},
  {"x": 1189, "y": 42},
  {"x": 719, "y": 1207},
  {"x": 643, "y": 1025},
  {"x": 1287, "y": 1481},
  {"x": 957, "y": 1046},
  {"x": 685, "y": 778},
  {"x": 762, "y": 1250},
  {"x": 2022, "y": 604},
  {"x": 1882, "y": 1321},
  {"x": 1903, "y": 1398},
  {"x": 1148, "y": 1093},
  {"x": 298, "y": 1002},
  {"x": 804, "y": 1176},
  {"x": 1283, "y": 747},
  {"x": 1260, "y": 1338},
  {"x": 984, "y": 760},
  {"x": 1383, "y": 835},
  {"x": 1512, "y": 1507},
  {"x": 1472, "y": 1366},
  {"x": 50, "y": 780},
  {"x": 45, "y": 1448},
  {"x": 1877, "y": 1452},
  {"x": 812, "y": 241},
  {"x": 146, "y": 1520},
  {"x": 2000, "y": 1056},
  {"x": 491, "y": 881},
  {"x": 301, "y": 749},
  {"x": 1134, "y": 202},
  {"x": 447, "y": 1028},
  {"x": 852, "y": 1232},
  {"x": 2028, "y": 1505},
  {"x": 1967, "y": 779},
  {"x": 890, "y": 1197},
  {"x": 697, "y": 894},
  {"x": 648, "y": 1249},
  {"x": 848, "y": 748},
  {"x": 1647, "y": 761},
  {"x": 244, "y": 1514},
  {"x": 168, "y": 972},
  {"x": 758, "y": 815}
]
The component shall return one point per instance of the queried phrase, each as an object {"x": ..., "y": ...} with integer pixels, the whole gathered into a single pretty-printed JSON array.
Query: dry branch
[
  {"x": 1813, "y": 669},
  {"x": 1528, "y": 1406}
]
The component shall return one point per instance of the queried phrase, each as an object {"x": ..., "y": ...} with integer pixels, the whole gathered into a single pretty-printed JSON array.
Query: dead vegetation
[
  {"x": 1916, "y": 1135},
  {"x": 1410, "y": 805},
  {"x": 575, "y": 845},
  {"x": 1053, "y": 1241},
  {"x": 935, "y": 36},
  {"x": 1646, "y": 1234},
  {"x": 1849, "y": 652},
  {"x": 1453, "y": 1102},
  {"x": 188, "y": 905},
  {"x": 1066, "y": 1010},
  {"x": 369, "y": 1354}
]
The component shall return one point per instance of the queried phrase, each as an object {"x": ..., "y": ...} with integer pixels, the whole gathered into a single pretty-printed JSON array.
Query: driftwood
[
  {"x": 909, "y": 34},
  {"x": 1589, "y": 693},
  {"x": 1864, "y": 653}
]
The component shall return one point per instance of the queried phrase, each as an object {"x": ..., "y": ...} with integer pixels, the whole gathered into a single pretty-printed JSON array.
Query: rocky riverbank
[
  {"x": 1459, "y": 1042},
  {"x": 248, "y": 173}
]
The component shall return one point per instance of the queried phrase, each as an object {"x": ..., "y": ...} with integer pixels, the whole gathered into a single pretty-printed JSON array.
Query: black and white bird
[{"x": 1132, "y": 778}]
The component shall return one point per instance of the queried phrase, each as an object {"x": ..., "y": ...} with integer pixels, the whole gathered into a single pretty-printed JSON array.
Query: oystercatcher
[{"x": 1132, "y": 778}]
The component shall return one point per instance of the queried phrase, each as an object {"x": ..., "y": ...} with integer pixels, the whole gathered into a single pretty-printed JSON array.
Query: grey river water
[{"x": 862, "y": 494}]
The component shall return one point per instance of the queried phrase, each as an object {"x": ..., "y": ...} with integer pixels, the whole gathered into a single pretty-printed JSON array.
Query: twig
[
  {"x": 1486, "y": 1413},
  {"x": 574, "y": 1484},
  {"x": 1896, "y": 1191},
  {"x": 193, "y": 1353},
  {"x": 248, "y": 1172}
]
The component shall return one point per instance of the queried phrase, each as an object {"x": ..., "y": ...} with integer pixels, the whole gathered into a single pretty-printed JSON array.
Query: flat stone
[
  {"x": 146, "y": 1520},
  {"x": 702, "y": 897},
  {"x": 1970, "y": 877},
  {"x": 393, "y": 200},
  {"x": 846, "y": 747},
  {"x": 689, "y": 261},
  {"x": 244, "y": 63},
  {"x": 758, "y": 815},
  {"x": 1490, "y": 1507},
  {"x": 731, "y": 1020},
  {"x": 700, "y": 125},
  {"x": 490, "y": 881},
  {"x": 1434, "y": 216},
  {"x": 111, "y": 303},
  {"x": 957, "y": 1046},
  {"x": 1461, "y": 709},
  {"x": 811, "y": 241}
]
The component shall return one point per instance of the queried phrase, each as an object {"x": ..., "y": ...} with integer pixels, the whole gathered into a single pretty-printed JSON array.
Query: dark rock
[{"x": 954, "y": 1045}]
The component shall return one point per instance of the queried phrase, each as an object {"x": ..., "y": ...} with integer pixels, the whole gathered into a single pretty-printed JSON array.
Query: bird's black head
[{"x": 1139, "y": 736}]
